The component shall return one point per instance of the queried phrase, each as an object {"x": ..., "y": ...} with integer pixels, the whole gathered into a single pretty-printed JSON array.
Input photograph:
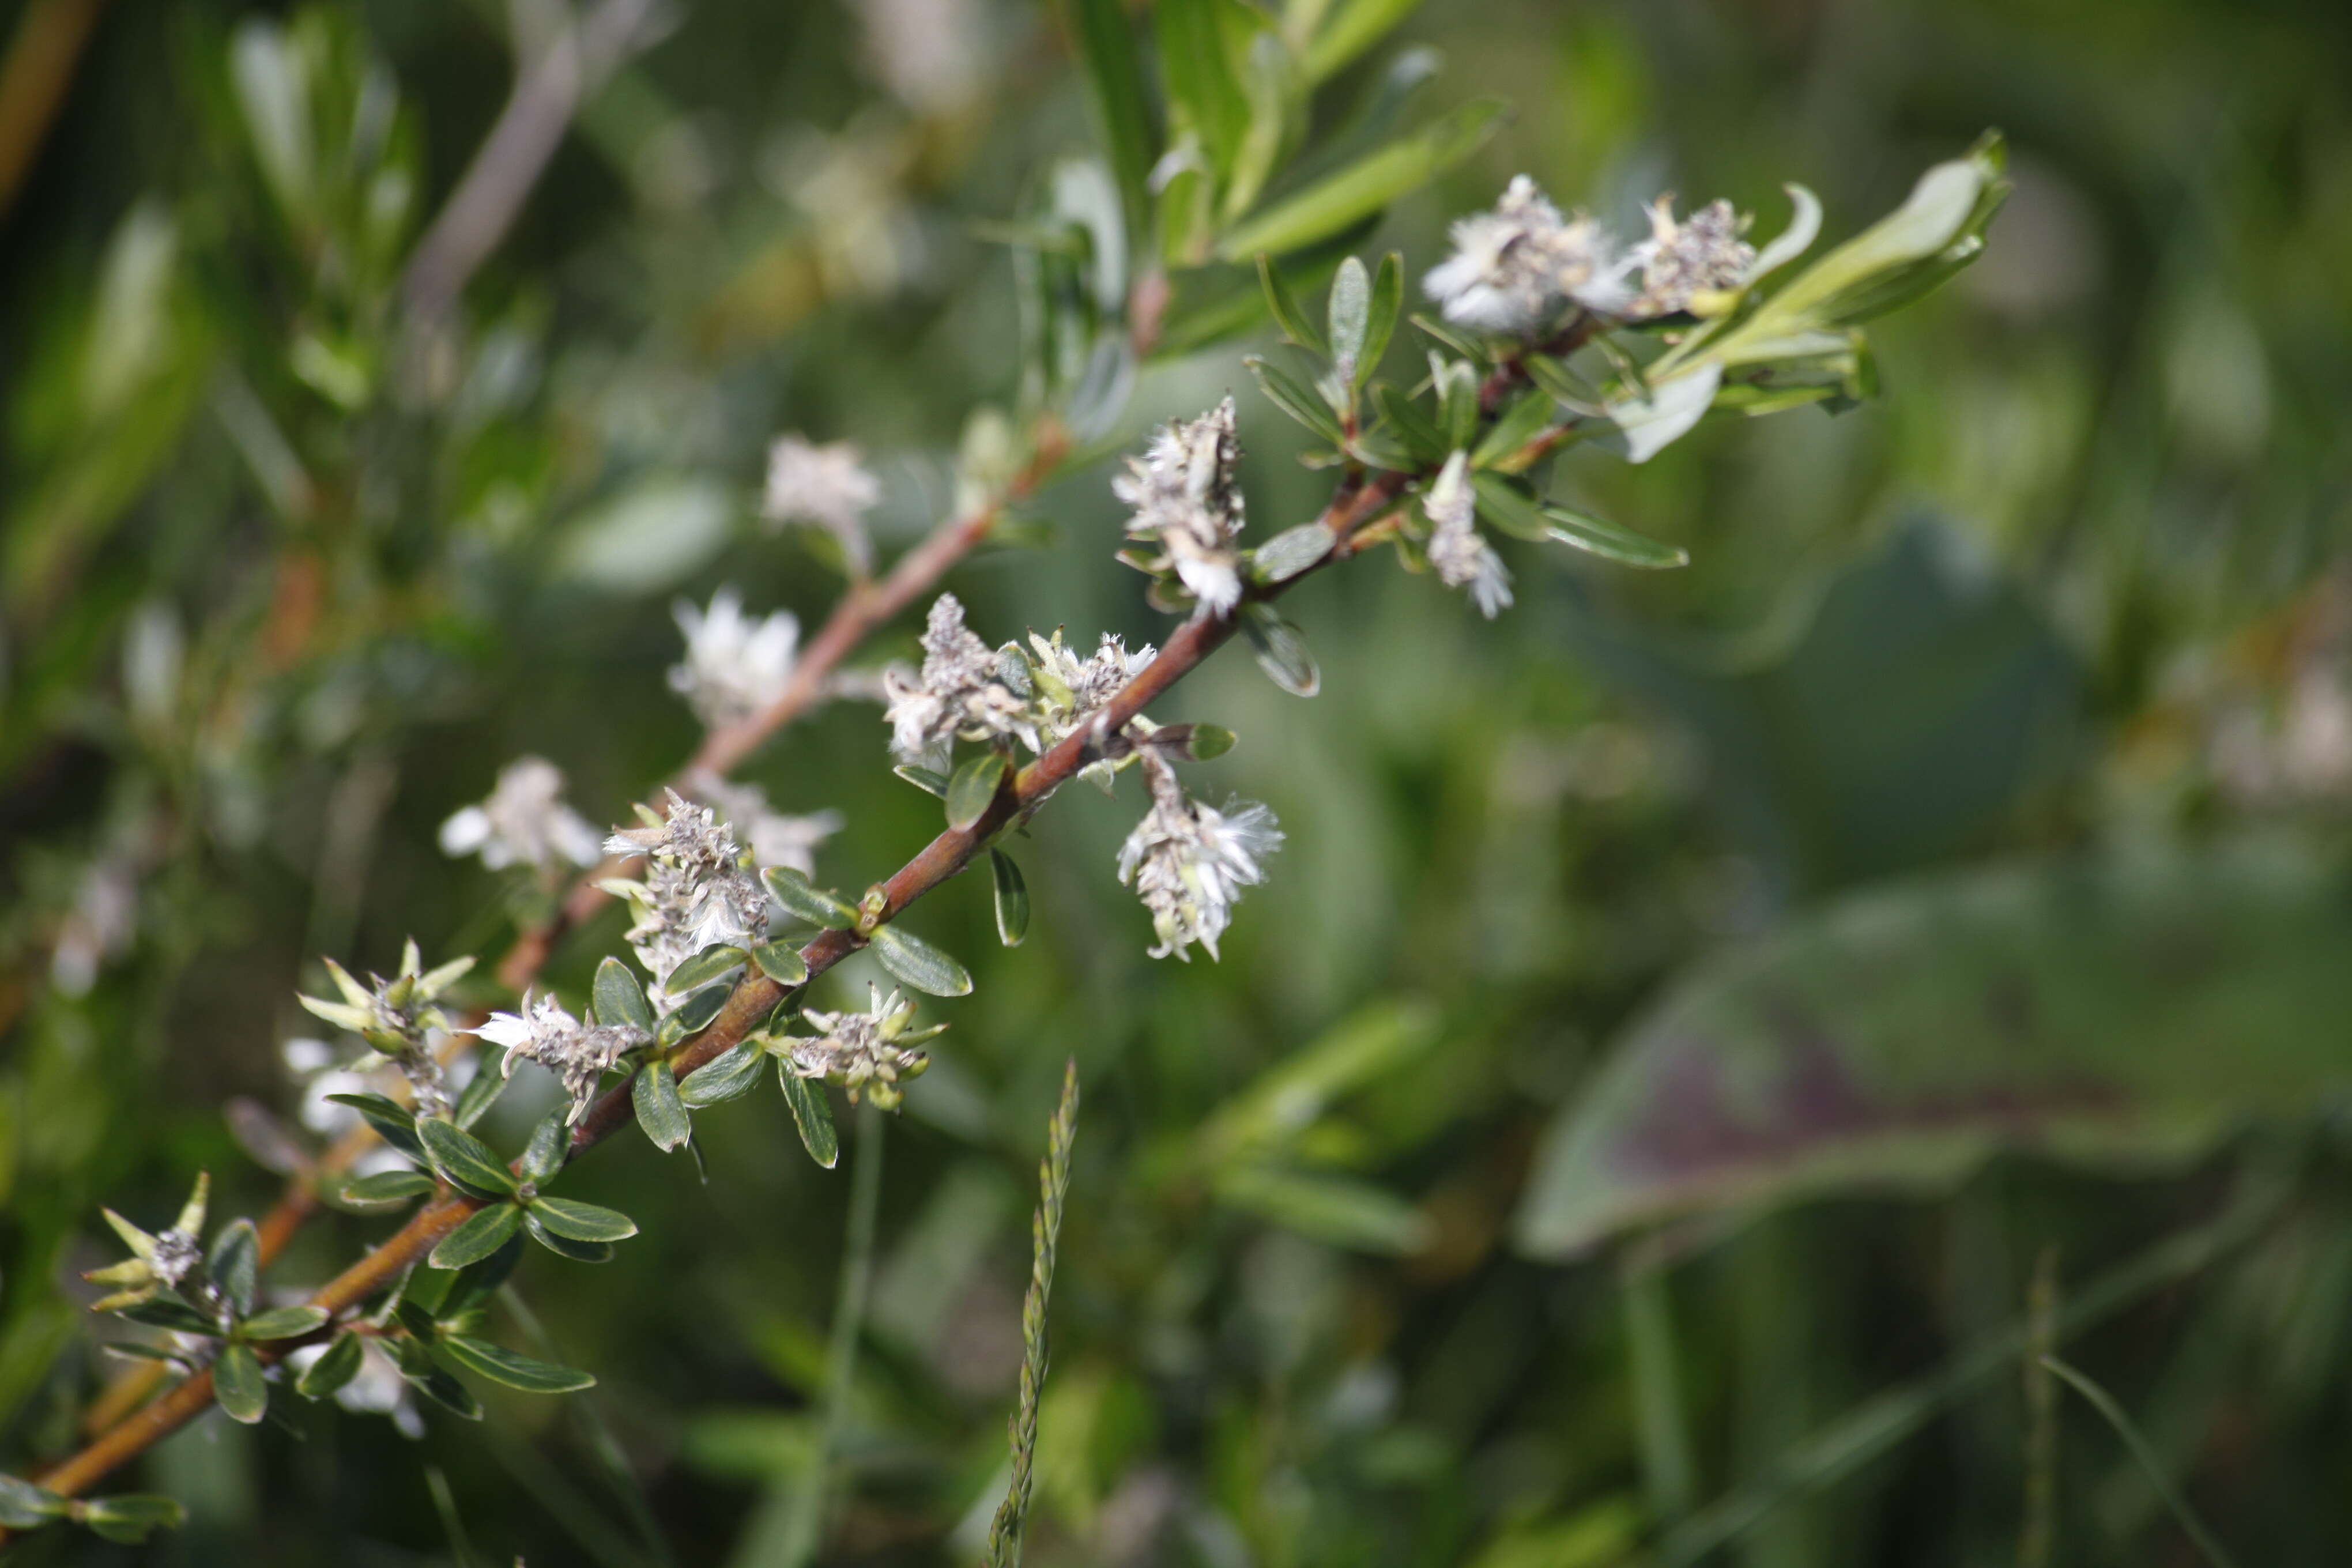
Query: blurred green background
[{"x": 1684, "y": 1009}]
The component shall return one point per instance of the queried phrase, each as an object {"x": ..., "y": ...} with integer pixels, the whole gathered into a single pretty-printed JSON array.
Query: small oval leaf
[
  {"x": 620, "y": 999},
  {"x": 660, "y": 1111},
  {"x": 1011, "y": 899},
  {"x": 972, "y": 788},
  {"x": 1281, "y": 651},
  {"x": 465, "y": 1159},
  {"x": 341, "y": 1362},
  {"x": 724, "y": 1077},
  {"x": 811, "y": 1115},
  {"x": 563, "y": 1246},
  {"x": 239, "y": 1385},
  {"x": 282, "y": 1322},
  {"x": 919, "y": 965},
  {"x": 781, "y": 962},
  {"x": 481, "y": 1236},
  {"x": 704, "y": 967},
  {"x": 575, "y": 1221},
  {"x": 234, "y": 1263},
  {"x": 802, "y": 902}
]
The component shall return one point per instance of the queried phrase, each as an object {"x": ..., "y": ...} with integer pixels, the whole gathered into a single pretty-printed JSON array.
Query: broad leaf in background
[
  {"x": 1925, "y": 699},
  {"x": 2126, "y": 1009}
]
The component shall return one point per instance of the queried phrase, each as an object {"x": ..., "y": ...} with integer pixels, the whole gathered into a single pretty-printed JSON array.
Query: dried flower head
[
  {"x": 963, "y": 691},
  {"x": 157, "y": 1263},
  {"x": 696, "y": 892},
  {"x": 1189, "y": 863},
  {"x": 578, "y": 1053},
  {"x": 865, "y": 1053},
  {"x": 1457, "y": 550},
  {"x": 1701, "y": 254},
  {"x": 397, "y": 1017},
  {"x": 827, "y": 485},
  {"x": 735, "y": 664},
  {"x": 523, "y": 822},
  {"x": 1515, "y": 269},
  {"x": 1071, "y": 689},
  {"x": 1185, "y": 498}
]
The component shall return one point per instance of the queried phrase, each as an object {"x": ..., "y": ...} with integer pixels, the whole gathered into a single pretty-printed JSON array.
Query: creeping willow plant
[{"x": 1546, "y": 332}]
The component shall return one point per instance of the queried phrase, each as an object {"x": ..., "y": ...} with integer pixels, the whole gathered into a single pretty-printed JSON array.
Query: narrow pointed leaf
[
  {"x": 620, "y": 999},
  {"x": 482, "y": 1090},
  {"x": 430, "y": 1378},
  {"x": 502, "y": 1365},
  {"x": 387, "y": 1187},
  {"x": 575, "y": 1221},
  {"x": 660, "y": 1111},
  {"x": 1349, "y": 314},
  {"x": 564, "y": 1246},
  {"x": 1011, "y": 899},
  {"x": 164, "y": 1312},
  {"x": 1609, "y": 540},
  {"x": 282, "y": 1322},
  {"x": 1288, "y": 315},
  {"x": 239, "y": 1385},
  {"x": 931, "y": 781},
  {"x": 811, "y": 1115},
  {"x": 394, "y": 1122},
  {"x": 792, "y": 891},
  {"x": 465, "y": 1159},
  {"x": 340, "y": 1363},
  {"x": 919, "y": 965},
  {"x": 972, "y": 786},
  {"x": 1295, "y": 397},
  {"x": 1104, "y": 42},
  {"x": 1365, "y": 187},
  {"x": 1521, "y": 423},
  {"x": 480, "y": 1237},
  {"x": 1386, "y": 304}
]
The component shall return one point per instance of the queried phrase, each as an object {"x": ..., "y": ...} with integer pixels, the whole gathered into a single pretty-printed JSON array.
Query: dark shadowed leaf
[
  {"x": 340, "y": 1364},
  {"x": 482, "y": 1090},
  {"x": 394, "y": 1122},
  {"x": 234, "y": 1263},
  {"x": 2120, "y": 1010},
  {"x": 130, "y": 1519},
  {"x": 26, "y": 1506},
  {"x": 465, "y": 1159},
  {"x": 576, "y": 1221},
  {"x": 1337, "y": 1209},
  {"x": 1011, "y": 899}
]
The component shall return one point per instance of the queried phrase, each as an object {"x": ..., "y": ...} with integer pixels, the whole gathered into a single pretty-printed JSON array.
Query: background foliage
[{"x": 1496, "y": 1200}]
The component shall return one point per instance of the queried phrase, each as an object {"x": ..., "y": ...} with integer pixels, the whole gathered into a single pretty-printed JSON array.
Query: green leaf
[
  {"x": 394, "y": 1122},
  {"x": 234, "y": 1263},
  {"x": 1611, "y": 541},
  {"x": 972, "y": 789},
  {"x": 575, "y": 1221},
  {"x": 164, "y": 1312},
  {"x": 1457, "y": 402},
  {"x": 804, "y": 902},
  {"x": 1288, "y": 314},
  {"x": 501, "y": 1365},
  {"x": 24, "y": 1506},
  {"x": 1104, "y": 43},
  {"x": 1408, "y": 424},
  {"x": 918, "y": 963},
  {"x": 1506, "y": 505},
  {"x": 129, "y": 1518},
  {"x": 1381, "y": 312},
  {"x": 282, "y": 1322},
  {"x": 1352, "y": 28},
  {"x": 2126, "y": 1010},
  {"x": 811, "y": 1115},
  {"x": 336, "y": 1366},
  {"x": 619, "y": 998},
  {"x": 1349, "y": 314},
  {"x": 704, "y": 967},
  {"x": 692, "y": 1015},
  {"x": 1647, "y": 425},
  {"x": 1527, "y": 417},
  {"x": 1937, "y": 228},
  {"x": 1197, "y": 72},
  {"x": 727, "y": 1076},
  {"x": 1365, "y": 187},
  {"x": 1281, "y": 649},
  {"x": 1339, "y": 1210},
  {"x": 237, "y": 1383},
  {"x": 1296, "y": 397},
  {"x": 1011, "y": 899},
  {"x": 565, "y": 1246},
  {"x": 483, "y": 1234},
  {"x": 660, "y": 1111},
  {"x": 549, "y": 1147},
  {"x": 465, "y": 1160},
  {"x": 482, "y": 1090},
  {"x": 928, "y": 780},
  {"x": 781, "y": 962},
  {"x": 1290, "y": 553}
]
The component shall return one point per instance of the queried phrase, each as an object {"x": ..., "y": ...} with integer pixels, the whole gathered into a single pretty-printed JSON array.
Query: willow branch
[{"x": 1359, "y": 503}]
